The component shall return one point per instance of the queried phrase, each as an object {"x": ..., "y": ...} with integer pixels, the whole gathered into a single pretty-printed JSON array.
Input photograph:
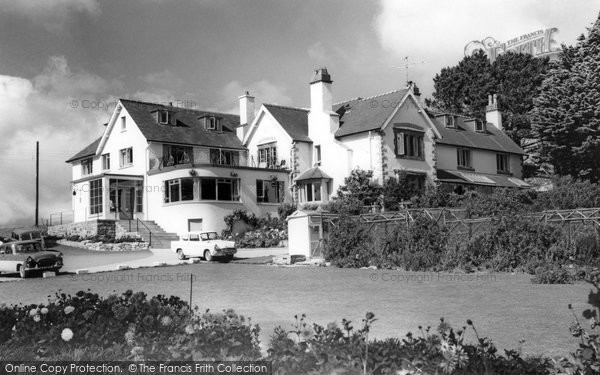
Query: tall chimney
[
  {"x": 246, "y": 114},
  {"x": 492, "y": 114},
  {"x": 410, "y": 85},
  {"x": 321, "y": 98}
]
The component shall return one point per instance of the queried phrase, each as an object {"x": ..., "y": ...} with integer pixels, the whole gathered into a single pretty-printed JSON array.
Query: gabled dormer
[
  {"x": 450, "y": 121},
  {"x": 211, "y": 123},
  {"x": 163, "y": 116}
]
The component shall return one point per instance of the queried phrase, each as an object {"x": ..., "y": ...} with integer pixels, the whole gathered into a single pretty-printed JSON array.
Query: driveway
[
  {"x": 504, "y": 307},
  {"x": 98, "y": 261}
]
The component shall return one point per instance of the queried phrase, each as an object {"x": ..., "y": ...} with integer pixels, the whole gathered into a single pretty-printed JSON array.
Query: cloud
[
  {"x": 438, "y": 30},
  {"x": 51, "y": 14},
  {"x": 162, "y": 79},
  {"x": 318, "y": 53},
  {"x": 49, "y": 108},
  {"x": 264, "y": 92}
]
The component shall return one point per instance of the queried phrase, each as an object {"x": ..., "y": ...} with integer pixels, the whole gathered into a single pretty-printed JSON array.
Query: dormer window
[
  {"x": 450, "y": 121},
  {"x": 212, "y": 123},
  {"x": 164, "y": 117},
  {"x": 480, "y": 126}
]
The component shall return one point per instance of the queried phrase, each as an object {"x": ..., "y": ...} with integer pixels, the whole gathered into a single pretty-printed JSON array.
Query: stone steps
[{"x": 160, "y": 238}]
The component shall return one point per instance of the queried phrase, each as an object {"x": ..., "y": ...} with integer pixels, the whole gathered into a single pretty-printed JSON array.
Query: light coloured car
[
  {"x": 205, "y": 244},
  {"x": 27, "y": 257}
]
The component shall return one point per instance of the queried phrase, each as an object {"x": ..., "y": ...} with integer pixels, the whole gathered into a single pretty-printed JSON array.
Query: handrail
[{"x": 138, "y": 221}]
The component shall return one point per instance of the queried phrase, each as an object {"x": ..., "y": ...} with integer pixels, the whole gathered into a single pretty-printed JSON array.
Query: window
[
  {"x": 267, "y": 155},
  {"x": 105, "y": 162},
  {"x": 212, "y": 123},
  {"x": 502, "y": 164},
  {"x": 208, "y": 189},
  {"x": 123, "y": 123},
  {"x": 408, "y": 144},
  {"x": 95, "y": 197},
  {"x": 139, "y": 198},
  {"x": 480, "y": 126},
  {"x": 87, "y": 166},
  {"x": 317, "y": 155},
  {"x": 164, "y": 117},
  {"x": 269, "y": 191},
  {"x": 223, "y": 157},
  {"x": 463, "y": 158},
  {"x": 312, "y": 191},
  {"x": 126, "y": 157},
  {"x": 174, "y": 155},
  {"x": 194, "y": 189},
  {"x": 179, "y": 189},
  {"x": 450, "y": 121}
]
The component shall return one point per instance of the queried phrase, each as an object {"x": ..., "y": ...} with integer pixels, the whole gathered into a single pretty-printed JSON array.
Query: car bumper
[
  {"x": 225, "y": 252},
  {"x": 54, "y": 267}
]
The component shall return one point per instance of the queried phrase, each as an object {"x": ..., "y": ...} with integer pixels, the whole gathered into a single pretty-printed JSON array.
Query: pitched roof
[
  {"x": 472, "y": 178},
  {"x": 462, "y": 135},
  {"x": 89, "y": 150},
  {"x": 364, "y": 114},
  {"x": 293, "y": 120},
  {"x": 314, "y": 173},
  {"x": 187, "y": 130}
]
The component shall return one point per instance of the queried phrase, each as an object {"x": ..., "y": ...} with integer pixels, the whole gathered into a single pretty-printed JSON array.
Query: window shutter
[
  {"x": 400, "y": 144},
  {"x": 259, "y": 189}
]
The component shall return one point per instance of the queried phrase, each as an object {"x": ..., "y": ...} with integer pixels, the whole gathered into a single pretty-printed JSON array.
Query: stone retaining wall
[
  {"x": 100, "y": 246},
  {"x": 85, "y": 229}
]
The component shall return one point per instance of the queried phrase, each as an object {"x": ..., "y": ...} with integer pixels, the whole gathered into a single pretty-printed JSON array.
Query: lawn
[{"x": 504, "y": 307}]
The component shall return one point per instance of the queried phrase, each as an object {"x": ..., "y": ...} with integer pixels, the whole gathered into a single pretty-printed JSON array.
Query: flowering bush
[
  {"x": 260, "y": 232},
  {"x": 130, "y": 326},
  {"x": 314, "y": 349}
]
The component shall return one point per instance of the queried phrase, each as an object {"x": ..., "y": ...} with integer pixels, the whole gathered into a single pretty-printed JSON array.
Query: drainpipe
[
  {"x": 370, "y": 151},
  {"x": 144, "y": 190}
]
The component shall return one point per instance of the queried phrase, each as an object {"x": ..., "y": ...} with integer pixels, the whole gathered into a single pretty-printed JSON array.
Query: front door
[{"x": 126, "y": 198}]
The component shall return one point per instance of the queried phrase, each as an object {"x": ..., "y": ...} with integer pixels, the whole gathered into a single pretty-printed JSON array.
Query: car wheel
[
  {"x": 23, "y": 273},
  {"x": 228, "y": 258},
  {"x": 181, "y": 255},
  {"x": 207, "y": 255}
]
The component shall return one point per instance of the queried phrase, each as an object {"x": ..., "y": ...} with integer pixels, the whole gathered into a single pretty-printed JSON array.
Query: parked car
[
  {"x": 28, "y": 235},
  {"x": 28, "y": 257},
  {"x": 205, "y": 245}
]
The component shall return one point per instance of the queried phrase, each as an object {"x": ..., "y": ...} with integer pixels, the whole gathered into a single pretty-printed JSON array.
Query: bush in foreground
[
  {"x": 133, "y": 327},
  {"x": 129, "y": 326}
]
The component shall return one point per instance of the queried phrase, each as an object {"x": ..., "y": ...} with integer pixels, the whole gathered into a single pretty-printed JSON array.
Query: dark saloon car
[{"x": 28, "y": 257}]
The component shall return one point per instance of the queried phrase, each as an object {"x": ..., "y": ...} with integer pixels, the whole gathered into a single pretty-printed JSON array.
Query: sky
[{"x": 63, "y": 63}]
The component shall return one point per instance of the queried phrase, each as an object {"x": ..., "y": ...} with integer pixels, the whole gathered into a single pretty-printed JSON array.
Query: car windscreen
[
  {"x": 28, "y": 247},
  {"x": 209, "y": 236}
]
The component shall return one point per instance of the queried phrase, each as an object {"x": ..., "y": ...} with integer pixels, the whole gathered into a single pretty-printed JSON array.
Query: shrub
[
  {"x": 316, "y": 349},
  {"x": 512, "y": 242},
  {"x": 349, "y": 244},
  {"x": 551, "y": 273},
  {"x": 419, "y": 247},
  {"x": 144, "y": 329},
  {"x": 285, "y": 210}
]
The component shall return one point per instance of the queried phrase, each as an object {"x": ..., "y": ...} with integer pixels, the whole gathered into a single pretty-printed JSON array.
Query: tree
[
  {"x": 359, "y": 190},
  {"x": 396, "y": 191},
  {"x": 514, "y": 77},
  {"x": 566, "y": 113}
]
